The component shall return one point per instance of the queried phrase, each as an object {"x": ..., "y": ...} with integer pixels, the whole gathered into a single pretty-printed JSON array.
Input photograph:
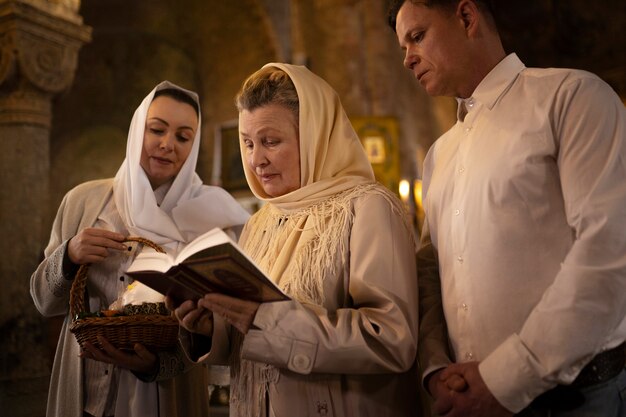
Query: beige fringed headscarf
[
  {"x": 333, "y": 170},
  {"x": 299, "y": 238}
]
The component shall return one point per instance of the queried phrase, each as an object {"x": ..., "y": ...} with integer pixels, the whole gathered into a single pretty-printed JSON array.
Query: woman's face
[
  {"x": 270, "y": 136},
  {"x": 170, "y": 130}
]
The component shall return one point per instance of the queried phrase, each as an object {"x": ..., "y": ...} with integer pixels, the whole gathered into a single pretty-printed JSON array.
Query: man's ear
[{"x": 468, "y": 12}]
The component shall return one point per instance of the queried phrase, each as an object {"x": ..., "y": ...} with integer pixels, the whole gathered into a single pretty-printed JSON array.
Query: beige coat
[
  {"x": 353, "y": 356},
  {"x": 184, "y": 395}
]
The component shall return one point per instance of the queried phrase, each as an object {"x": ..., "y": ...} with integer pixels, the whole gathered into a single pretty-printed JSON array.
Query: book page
[
  {"x": 151, "y": 261},
  {"x": 213, "y": 237}
]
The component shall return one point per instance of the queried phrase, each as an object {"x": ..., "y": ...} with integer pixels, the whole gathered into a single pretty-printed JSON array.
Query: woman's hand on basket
[
  {"x": 140, "y": 360},
  {"x": 239, "y": 313},
  {"x": 192, "y": 317},
  {"x": 91, "y": 245}
]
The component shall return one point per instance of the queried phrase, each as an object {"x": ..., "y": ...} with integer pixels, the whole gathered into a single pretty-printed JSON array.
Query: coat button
[{"x": 301, "y": 361}]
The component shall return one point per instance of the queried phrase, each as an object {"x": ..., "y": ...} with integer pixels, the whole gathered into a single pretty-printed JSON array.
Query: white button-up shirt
[{"x": 525, "y": 233}]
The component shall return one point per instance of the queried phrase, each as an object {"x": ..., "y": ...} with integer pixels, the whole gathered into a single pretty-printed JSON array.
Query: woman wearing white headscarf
[
  {"x": 155, "y": 194},
  {"x": 338, "y": 243}
]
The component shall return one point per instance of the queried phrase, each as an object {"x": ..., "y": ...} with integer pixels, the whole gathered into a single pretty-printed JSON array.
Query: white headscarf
[{"x": 189, "y": 207}]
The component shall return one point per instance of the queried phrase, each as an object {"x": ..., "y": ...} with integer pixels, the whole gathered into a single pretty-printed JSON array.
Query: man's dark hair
[
  {"x": 394, "y": 6},
  {"x": 179, "y": 96}
]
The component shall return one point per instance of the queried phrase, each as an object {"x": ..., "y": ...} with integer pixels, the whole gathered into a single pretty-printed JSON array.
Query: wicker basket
[{"x": 156, "y": 332}]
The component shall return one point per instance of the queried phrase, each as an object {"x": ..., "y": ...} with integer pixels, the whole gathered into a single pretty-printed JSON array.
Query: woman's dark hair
[
  {"x": 268, "y": 85},
  {"x": 487, "y": 6},
  {"x": 179, "y": 96}
]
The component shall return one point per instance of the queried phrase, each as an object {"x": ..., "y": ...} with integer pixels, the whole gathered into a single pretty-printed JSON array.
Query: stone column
[{"x": 39, "y": 44}]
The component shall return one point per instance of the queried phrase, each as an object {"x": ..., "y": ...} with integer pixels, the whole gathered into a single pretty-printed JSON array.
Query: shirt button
[
  {"x": 469, "y": 356},
  {"x": 460, "y": 259},
  {"x": 457, "y": 212},
  {"x": 464, "y": 306},
  {"x": 301, "y": 362},
  {"x": 462, "y": 170},
  {"x": 467, "y": 129}
]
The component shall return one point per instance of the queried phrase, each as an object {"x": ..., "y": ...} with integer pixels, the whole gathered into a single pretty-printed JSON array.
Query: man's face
[{"x": 435, "y": 45}]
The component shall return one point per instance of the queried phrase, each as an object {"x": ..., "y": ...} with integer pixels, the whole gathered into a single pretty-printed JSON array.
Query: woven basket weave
[{"x": 155, "y": 331}]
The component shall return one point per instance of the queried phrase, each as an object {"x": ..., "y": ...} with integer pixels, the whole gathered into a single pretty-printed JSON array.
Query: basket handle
[{"x": 77, "y": 292}]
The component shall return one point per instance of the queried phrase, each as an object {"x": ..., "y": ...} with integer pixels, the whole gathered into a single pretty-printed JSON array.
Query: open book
[{"x": 210, "y": 263}]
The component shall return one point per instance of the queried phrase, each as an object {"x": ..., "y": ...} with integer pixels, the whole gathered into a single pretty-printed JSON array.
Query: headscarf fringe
[{"x": 250, "y": 382}]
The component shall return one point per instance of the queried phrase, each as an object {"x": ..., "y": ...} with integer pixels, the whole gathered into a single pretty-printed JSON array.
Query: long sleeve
[
  {"x": 583, "y": 311},
  {"x": 375, "y": 331},
  {"x": 49, "y": 287},
  {"x": 80, "y": 207},
  {"x": 434, "y": 352}
]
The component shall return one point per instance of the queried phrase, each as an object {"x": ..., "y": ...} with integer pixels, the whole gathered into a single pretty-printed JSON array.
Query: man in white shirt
[{"x": 522, "y": 265}]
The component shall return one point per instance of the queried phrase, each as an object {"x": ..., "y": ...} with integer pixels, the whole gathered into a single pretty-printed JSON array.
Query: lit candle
[
  {"x": 404, "y": 188},
  {"x": 417, "y": 192},
  {"x": 419, "y": 208}
]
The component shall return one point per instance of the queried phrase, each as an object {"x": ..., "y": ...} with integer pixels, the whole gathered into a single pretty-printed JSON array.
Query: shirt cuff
[{"x": 509, "y": 375}]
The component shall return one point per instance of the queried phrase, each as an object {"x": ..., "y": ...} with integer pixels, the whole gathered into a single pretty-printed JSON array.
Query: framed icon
[
  {"x": 227, "y": 166},
  {"x": 380, "y": 139}
]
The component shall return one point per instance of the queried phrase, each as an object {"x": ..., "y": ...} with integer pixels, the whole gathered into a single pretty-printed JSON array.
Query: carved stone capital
[
  {"x": 26, "y": 107},
  {"x": 39, "y": 51}
]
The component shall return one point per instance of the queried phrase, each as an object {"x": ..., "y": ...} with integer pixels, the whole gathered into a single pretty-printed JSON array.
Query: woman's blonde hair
[{"x": 268, "y": 85}]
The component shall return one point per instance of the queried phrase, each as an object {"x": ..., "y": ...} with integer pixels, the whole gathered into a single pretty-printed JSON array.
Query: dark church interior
[{"x": 72, "y": 72}]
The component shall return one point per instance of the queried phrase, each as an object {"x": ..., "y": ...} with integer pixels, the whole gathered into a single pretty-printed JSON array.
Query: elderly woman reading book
[{"x": 337, "y": 243}]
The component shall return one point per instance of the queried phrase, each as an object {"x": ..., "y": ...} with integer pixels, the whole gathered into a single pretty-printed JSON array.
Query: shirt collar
[{"x": 495, "y": 83}]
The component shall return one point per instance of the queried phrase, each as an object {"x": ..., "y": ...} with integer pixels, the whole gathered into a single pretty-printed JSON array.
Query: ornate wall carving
[{"x": 39, "y": 55}]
